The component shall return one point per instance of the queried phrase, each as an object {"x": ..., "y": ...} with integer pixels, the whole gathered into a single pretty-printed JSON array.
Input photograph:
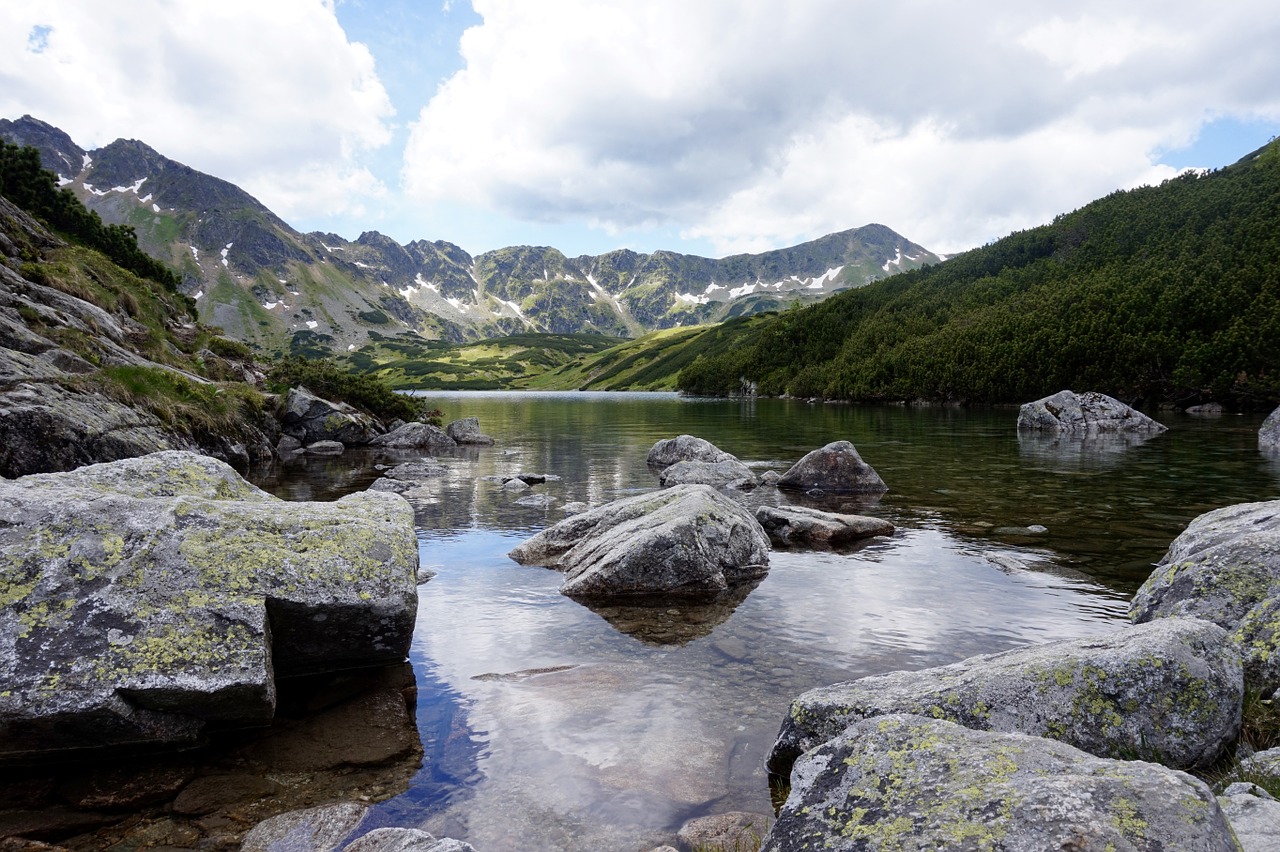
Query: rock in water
[
  {"x": 1269, "y": 434},
  {"x": 415, "y": 435},
  {"x": 1169, "y": 691},
  {"x": 467, "y": 431},
  {"x": 718, "y": 474},
  {"x": 1225, "y": 568},
  {"x": 1085, "y": 413},
  {"x": 686, "y": 540},
  {"x": 906, "y": 782},
  {"x": 834, "y": 469},
  {"x": 145, "y": 597},
  {"x": 685, "y": 448},
  {"x": 789, "y": 526}
]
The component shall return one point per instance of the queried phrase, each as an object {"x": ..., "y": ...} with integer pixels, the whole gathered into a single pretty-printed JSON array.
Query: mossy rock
[{"x": 146, "y": 597}]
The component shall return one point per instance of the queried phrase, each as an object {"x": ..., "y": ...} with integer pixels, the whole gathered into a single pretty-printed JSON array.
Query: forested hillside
[{"x": 1160, "y": 294}]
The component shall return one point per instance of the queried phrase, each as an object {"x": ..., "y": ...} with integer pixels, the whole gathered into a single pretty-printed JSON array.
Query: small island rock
[
  {"x": 791, "y": 526},
  {"x": 687, "y": 540},
  {"x": 467, "y": 431},
  {"x": 685, "y": 448},
  {"x": 415, "y": 435},
  {"x": 1084, "y": 413},
  {"x": 718, "y": 474},
  {"x": 834, "y": 469}
]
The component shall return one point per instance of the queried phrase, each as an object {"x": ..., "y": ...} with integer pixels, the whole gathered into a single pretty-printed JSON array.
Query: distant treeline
[
  {"x": 1159, "y": 294},
  {"x": 25, "y": 183}
]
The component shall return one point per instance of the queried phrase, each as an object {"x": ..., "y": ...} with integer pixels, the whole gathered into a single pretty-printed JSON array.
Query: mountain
[
  {"x": 1164, "y": 294},
  {"x": 280, "y": 290}
]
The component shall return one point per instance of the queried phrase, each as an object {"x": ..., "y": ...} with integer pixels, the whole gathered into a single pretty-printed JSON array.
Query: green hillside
[{"x": 1159, "y": 294}]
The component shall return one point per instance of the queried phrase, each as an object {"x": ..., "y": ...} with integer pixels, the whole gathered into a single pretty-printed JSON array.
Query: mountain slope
[
  {"x": 278, "y": 290},
  {"x": 1161, "y": 294}
]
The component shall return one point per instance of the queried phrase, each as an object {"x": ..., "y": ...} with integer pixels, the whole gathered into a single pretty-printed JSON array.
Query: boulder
[
  {"x": 686, "y": 540},
  {"x": 1225, "y": 568},
  {"x": 415, "y": 435},
  {"x": 467, "y": 431},
  {"x": 1254, "y": 817},
  {"x": 718, "y": 474},
  {"x": 685, "y": 448},
  {"x": 907, "y": 782},
  {"x": 1169, "y": 691},
  {"x": 791, "y": 526},
  {"x": 725, "y": 832},
  {"x": 1209, "y": 409},
  {"x": 309, "y": 418},
  {"x": 1083, "y": 413},
  {"x": 1269, "y": 434},
  {"x": 147, "y": 597},
  {"x": 834, "y": 469}
]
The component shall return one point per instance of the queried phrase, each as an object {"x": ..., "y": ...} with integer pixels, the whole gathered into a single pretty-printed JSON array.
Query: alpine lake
[{"x": 549, "y": 724}]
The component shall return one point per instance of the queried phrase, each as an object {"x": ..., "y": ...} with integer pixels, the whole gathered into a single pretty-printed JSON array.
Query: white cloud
[
  {"x": 754, "y": 124},
  {"x": 270, "y": 96}
]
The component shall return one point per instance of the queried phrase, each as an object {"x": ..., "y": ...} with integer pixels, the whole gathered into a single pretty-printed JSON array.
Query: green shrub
[{"x": 326, "y": 379}]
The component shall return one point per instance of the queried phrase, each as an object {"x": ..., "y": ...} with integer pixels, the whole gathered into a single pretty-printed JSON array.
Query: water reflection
[
  {"x": 576, "y": 728},
  {"x": 665, "y": 622},
  {"x": 1068, "y": 453}
]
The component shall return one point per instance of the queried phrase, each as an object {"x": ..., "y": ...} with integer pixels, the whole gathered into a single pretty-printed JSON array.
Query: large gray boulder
[
  {"x": 1169, "y": 691},
  {"x": 415, "y": 435},
  {"x": 1225, "y": 568},
  {"x": 1269, "y": 434},
  {"x": 309, "y": 418},
  {"x": 685, "y": 448},
  {"x": 467, "y": 431},
  {"x": 686, "y": 540},
  {"x": 800, "y": 526},
  {"x": 146, "y": 597},
  {"x": 834, "y": 469},
  {"x": 907, "y": 782},
  {"x": 1084, "y": 413},
  {"x": 718, "y": 474}
]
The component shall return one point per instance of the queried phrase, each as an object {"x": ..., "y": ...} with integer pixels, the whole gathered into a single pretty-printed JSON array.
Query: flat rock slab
[
  {"x": 798, "y": 526},
  {"x": 718, "y": 474},
  {"x": 145, "y": 597},
  {"x": 1169, "y": 691},
  {"x": 688, "y": 540},
  {"x": 836, "y": 468},
  {"x": 1225, "y": 568},
  {"x": 1084, "y": 413},
  {"x": 906, "y": 782}
]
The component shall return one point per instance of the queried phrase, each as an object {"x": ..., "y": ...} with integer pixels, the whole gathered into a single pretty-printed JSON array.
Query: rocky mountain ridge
[{"x": 280, "y": 290}]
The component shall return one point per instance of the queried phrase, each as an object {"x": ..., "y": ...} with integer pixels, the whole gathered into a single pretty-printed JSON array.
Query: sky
[{"x": 709, "y": 127}]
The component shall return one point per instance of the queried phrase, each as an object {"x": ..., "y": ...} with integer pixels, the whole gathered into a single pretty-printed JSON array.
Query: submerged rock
[
  {"x": 415, "y": 435},
  {"x": 906, "y": 782},
  {"x": 149, "y": 596},
  {"x": 467, "y": 431},
  {"x": 834, "y": 469},
  {"x": 725, "y": 832},
  {"x": 790, "y": 526},
  {"x": 1225, "y": 568},
  {"x": 685, "y": 448},
  {"x": 1089, "y": 412},
  {"x": 685, "y": 540},
  {"x": 1169, "y": 691},
  {"x": 718, "y": 474}
]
